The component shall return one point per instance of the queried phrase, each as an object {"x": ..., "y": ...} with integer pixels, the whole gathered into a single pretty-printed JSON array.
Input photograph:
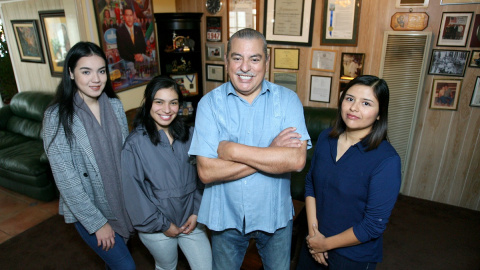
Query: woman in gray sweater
[{"x": 160, "y": 180}]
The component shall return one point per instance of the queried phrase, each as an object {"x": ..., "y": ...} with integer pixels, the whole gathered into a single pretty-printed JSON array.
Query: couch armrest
[{"x": 5, "y": 114}]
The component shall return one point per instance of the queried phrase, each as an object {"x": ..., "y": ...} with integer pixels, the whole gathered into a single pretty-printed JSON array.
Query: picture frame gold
[{"x": 286, "y": 58}]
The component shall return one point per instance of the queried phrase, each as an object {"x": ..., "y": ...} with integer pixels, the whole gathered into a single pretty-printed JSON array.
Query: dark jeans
[
  {"x": 118, "y": 257},
  {"x": 335, "y": 262}
]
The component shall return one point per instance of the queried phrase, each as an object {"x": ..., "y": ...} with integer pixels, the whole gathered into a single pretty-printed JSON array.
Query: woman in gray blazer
[{"x": 83, "y": 132}]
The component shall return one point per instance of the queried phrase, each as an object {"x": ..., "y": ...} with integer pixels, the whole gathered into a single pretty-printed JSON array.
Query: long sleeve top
[
  {"x": 359, "y": 190},
  {"x": 160, "y": 183}
]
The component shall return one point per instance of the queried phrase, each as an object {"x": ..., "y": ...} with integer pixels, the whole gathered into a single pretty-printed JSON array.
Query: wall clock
[{"x": 214, "y": 6}]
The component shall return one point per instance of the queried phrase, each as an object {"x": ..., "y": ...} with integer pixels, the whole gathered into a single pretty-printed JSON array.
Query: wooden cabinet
[{"x": 180, "y": 52}]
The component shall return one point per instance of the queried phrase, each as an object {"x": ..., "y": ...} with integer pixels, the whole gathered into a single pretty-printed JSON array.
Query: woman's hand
[
  {"x": 173, "y": 231},
  {"x": 190, "y": 225},
  {"x": 105, "y": 237},
  {"x": 317, "y": 246}
]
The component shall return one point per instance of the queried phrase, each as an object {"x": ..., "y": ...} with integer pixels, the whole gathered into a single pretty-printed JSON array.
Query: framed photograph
[
  {"x": 340, "y": 23},
  {"x": 188, "y": 83},
  {"x": 286, "y": 58},
  {"x": 241, "y": 14},
  {"x": 215, "y": 51},
  {"x": 55, "y": 35},
  {"x": 286, "y": 79},
  {"x": 215, "y": 73},
  {"x": 352, "y": 65},
  {"x": 132, "y": 59},
  {"x": 458, "y": 2},
  {"x": 320, "y": 88},
  {"x": 267, "y": 72},
  {"x": 448, "y": 63},
  {"x": 28, "y": 41},
  {"x": 454, "y": 29},
  {"x": 323, "y": 60},
  {"x": 214, "y": 29},
  {"x": 411, "y": 4},
  {"x": 475, "y": 37},
  {"x": 475, "y": 59},
  {"x": 475, "y": 102},
  {"x": 445, "y": 94},
  {"x": 289, "y": 22}
]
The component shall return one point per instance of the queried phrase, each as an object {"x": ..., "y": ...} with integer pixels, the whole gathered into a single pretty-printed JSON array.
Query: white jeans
[{"x": 195, "y": 246}]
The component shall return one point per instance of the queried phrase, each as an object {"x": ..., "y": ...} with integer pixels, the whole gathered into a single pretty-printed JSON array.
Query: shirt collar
[{"x": 231, "y": 90}]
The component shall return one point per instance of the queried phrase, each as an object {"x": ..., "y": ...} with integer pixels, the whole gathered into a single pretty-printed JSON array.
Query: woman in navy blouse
[{"x": 353, "y": 182}]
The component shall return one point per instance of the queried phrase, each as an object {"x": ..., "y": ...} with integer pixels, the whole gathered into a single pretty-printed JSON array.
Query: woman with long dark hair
[
  {"x": 160, "y": 180},
  {"x": 353, "y": 182},
  {"x": 83, "y": 133}
]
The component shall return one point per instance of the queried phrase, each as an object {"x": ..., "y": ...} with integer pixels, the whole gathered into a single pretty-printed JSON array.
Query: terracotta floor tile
[
  {"x": 50, "y": 207},
  {"x": 17, "y": 195},
  {"x": 20, "y": 222},
  {"x": 10, "y": 206}
]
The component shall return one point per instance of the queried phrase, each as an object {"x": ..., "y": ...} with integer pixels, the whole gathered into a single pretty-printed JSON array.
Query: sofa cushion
[
  {"x": 24, "y": 158},
  {"x": 30, "y": 104},
  {"x": 25, "y": 127},
  {"x": 9, "y": 139}
]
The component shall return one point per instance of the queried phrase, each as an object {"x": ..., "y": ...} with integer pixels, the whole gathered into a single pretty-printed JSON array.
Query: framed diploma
[
  {"x": 241, "y": 14},
  {"x": 323, "y": 60},
  {"x": 286, "y": 58},
  {"x": 289, "y": 22},
  {"x": 214, "y": 72},
  {"x": 340, "y": 23},
  {"x": 320, "y": 87},
  {"x": 286, "y": 79}
]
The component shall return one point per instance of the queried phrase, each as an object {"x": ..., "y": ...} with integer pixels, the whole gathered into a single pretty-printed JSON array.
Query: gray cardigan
[
  {"x": 160, "y": 184},
  {"x": 82, "y": 195}
]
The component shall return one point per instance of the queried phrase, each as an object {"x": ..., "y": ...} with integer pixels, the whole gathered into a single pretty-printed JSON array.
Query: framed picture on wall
[
  {"x": 458, "y": 2},
  {"x": 454, "y": 29},
  {"x": 340, "y": 23},
  {"x": 55, "y": 35},
  {"x": 289, "y": 22},
  {"x": 214, "y": 28},
  {"x": 445, "y": 94},
  {"x": 242, "y": 14},
  {"x": 286, "y": 58},
  {"x": 214, "y": 51},
  {"x": 323, "y": 60},
  {"x": 411, "y": 3},
  {"x": 132, "y": 59},
  {"x": 448, "y": 62},
  {"x": 320, "y": 87},
  {"x": 475, "y": 101},
  {"x": 286, "y": 79},
  {"x": 28, "y": 42},
  {"x": 188, "y": 83},
  {"x": 352, "y": 65},
  {"x": 475, "y": 59},
  {"x": 475, "y": 37},
  {"x": 215, "y": 73}
]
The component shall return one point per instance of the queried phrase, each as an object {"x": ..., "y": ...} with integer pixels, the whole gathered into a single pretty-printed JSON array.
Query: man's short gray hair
[{"x": 247, "y": 33}]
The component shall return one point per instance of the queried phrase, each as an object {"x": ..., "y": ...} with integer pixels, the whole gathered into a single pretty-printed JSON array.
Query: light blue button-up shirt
[{"x": 262, "y": 199}]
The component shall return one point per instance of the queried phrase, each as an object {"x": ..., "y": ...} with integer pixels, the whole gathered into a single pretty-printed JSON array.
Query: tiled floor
[{"x": 19, "y": 213}]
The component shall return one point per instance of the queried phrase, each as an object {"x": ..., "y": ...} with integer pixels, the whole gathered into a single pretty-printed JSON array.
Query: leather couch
[
  {"x": 24, "y": 165},
  {"x": 317, "y": 120}
]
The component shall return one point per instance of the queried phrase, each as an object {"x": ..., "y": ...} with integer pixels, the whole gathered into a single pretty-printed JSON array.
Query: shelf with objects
[{"x": 180, "y": 53}]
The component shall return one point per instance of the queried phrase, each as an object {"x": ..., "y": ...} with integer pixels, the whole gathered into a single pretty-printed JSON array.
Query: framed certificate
[
  {"x": 323, "y": 60},
  {"x": 214, "y": 72},
  {"x": 289, "y": 22},
  {"x": 340, "y": 23},
  {"x": 320, "y": 87},
  {"x": 286, "y": 58}
]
